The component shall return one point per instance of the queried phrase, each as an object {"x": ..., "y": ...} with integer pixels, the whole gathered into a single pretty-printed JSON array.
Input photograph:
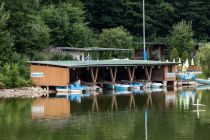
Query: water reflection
[
  {"x": 197, "y": 108},
  {"x": 186, "y": 98},
  {"x": 50, "y": 108},
  {"x": 130, "y": 116}
]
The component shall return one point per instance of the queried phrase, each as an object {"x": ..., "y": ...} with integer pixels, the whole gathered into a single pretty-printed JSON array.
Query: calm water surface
[{"x": 147, "y": 116}]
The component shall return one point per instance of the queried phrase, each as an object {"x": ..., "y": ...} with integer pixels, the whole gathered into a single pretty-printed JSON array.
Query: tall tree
[
  {"x": 29, "y": 31},
  {"x": 115, "y": 38},
  {"x": 6, "y": 40},
  {"x": 181, "y": 37},
  {"x": 66, "y": 25}
]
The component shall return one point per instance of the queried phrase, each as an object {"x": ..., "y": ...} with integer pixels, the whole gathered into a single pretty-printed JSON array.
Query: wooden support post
[
  {"x": 94, "y": 76},
  {"x": 149, "y": 73},
  {"x": 113, "y": 76},
  {"x": 131, "y": 75}
]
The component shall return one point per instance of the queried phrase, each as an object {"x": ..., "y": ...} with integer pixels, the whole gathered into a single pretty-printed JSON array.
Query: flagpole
[{"x": 144, "y": 42}]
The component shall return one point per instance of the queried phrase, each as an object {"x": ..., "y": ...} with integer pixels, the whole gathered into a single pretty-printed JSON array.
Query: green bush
[
  {"x": 10, "y": 76},
  {"x": 201, "y": 76}
]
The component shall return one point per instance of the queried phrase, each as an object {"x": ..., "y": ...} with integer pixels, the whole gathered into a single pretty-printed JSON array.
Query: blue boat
[
  {"x": 118, "y": 86},
  {"x": 118, "y": 92},
  {"x": 187, "y": 77},
  {"x": 203, "y": 81},
  {"x": 137, "y": 85},
  {"x": 72, "y": 88}
]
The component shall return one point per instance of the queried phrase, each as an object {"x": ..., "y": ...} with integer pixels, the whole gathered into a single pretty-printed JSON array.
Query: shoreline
[{"x": 24, "y": 92}]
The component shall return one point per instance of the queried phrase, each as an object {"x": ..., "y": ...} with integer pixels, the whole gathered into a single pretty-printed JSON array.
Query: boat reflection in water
[
  {"x": 202, "y": 87},
  {"x": 186, "y": 98},
  {"x": 50, "y": 108}
]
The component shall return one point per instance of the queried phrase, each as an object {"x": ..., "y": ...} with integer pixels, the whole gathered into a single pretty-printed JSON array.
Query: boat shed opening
[{"x": 62, "y": 73}]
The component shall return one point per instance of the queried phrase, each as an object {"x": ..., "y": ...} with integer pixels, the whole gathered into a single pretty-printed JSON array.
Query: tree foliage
[
  {"x": 115, "y": 38},
  {"x": 174, "y": 54},
  {"x": 181, "y": 37},
  {"x": 6, "y": 40},
  {"x": 203, "y": 55},
  {"x": 29, "y": 31},
  {"x": 160, "y": 15},
  {"x": 66, "y": 25},
  {"x": 185, "y": 55}
]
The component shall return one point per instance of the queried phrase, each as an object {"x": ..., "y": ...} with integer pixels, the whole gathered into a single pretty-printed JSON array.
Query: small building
[
  {"x": 94, "y": 53},
  {"x": 62, "y": 73},
  {"x": 155, "y": 51}
]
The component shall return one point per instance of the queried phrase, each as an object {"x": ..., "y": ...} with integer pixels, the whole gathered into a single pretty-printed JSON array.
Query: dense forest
[{"x": 30, "y": 26}]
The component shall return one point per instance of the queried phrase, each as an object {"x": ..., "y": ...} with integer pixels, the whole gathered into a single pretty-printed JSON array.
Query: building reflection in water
[
  {"x": 170, "y": 99},
  {"x": 60, "y": 107},
  {"x": 50, "y": 108}
]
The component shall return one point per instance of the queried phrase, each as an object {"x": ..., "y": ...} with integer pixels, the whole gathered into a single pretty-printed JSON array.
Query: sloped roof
[{"x": 102, "y": 63}]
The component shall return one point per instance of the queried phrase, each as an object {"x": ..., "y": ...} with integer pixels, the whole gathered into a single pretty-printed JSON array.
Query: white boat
[{"x": 156, "y": 85}]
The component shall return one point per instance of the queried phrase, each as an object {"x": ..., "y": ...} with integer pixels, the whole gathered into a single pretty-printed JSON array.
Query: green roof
[
  {"x": 102, "y": 63},
  {"x": 93, "y": 49}
]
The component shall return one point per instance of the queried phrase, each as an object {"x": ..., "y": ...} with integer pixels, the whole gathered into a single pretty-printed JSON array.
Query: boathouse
[
  {"x": 95, "y": 53},
  {"x": 62, "y": 73}
]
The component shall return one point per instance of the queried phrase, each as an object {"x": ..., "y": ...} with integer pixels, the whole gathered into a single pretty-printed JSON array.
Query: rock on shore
[{"x": 25, "y": 92}]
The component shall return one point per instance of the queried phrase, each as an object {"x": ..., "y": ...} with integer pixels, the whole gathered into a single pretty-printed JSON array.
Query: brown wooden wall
[
  {"x": 166, "y": 70},
  {"x": 52, "y": 76},
  {"x": 157, "y": 74}
]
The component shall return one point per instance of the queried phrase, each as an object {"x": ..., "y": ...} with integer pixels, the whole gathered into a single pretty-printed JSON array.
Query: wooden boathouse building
[{"x": 62, "y": 73}]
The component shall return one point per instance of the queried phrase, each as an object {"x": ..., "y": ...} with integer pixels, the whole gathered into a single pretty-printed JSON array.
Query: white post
[
  {"x": 47, "y": 91},
  {"x": 67, "y": 93},
  {"x": 144, "y": 42}
]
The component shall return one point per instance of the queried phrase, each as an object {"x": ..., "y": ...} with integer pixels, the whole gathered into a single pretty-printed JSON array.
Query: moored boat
[
  {"x": 137, "y": 85},
  {"x": 203, "y": 81},
  {"x": 72, "y": 88},
  {"x": 187, "y": 77},
  {"x": 156, "y": 85},
  {"x": 117, "y": 86}
]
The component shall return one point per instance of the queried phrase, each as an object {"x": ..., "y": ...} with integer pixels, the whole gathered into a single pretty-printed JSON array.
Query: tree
[
  {"x": 115, "y": 38},
  {"x": 174, "y": 54},
  {"x": 26, "y": 26},
  {"x": 6, "y": 40},
  {"x": 66, "y": 25},
  {"x": 203, "y": 55},
  {"x": 185, "y": 55},
  {"x": 181, "y": 37}
]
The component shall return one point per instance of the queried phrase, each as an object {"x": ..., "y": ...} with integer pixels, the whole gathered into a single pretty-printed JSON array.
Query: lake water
[{"x": 167, "y": 115}]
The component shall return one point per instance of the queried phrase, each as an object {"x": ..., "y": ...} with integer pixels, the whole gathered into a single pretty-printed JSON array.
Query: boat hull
[
  {"x": 203, "y": 81},
  {"x": 117, "y": 86},
  {"x": 156, "y": 85}
]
